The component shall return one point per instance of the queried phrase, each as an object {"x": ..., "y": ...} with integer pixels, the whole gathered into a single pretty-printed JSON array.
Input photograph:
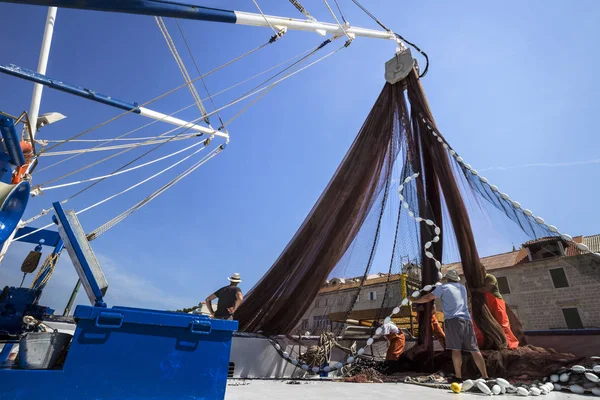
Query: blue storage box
[{"x": 128, "y": 353}]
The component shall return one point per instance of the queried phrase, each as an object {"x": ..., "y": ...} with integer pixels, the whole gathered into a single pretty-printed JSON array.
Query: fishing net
[{"x": 363, "y": 248}]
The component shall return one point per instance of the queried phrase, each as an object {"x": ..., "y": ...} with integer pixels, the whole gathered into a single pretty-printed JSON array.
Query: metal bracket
[{"x": 399, "y": 66}]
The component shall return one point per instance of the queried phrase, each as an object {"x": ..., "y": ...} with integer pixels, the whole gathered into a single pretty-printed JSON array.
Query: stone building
[{"x": 548, "y": 283}]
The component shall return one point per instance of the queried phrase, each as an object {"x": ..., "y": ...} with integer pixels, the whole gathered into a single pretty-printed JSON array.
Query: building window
[
  {"x": 559, "y": 278},
  {"x": 372, "y": 295},
  {"x": 572, "y": 318},
  {"x": 304, "y": 324},
  {"x": 503, "y": 285},
  {"x": 320, "y": 322}
]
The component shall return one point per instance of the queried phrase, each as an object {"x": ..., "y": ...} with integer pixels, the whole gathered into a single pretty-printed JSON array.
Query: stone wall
[{"x": 538, "y": 304}]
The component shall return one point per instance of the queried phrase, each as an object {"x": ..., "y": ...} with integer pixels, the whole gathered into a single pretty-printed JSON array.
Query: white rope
[
  {"x": 181, "y": 65},
  {"x": 122, "y": 171},
  {"x": 122, "y": 146},
  {"x": 338, "y": 22},
  {"x": 113, "y": 222},
  {"x": 266, "y": 19},
  {"x": 274, "y": 83},
  {"x": 184, "y": 108},
  {"x": 113, "y": 196},
  {"x": 109, "y": 139}
]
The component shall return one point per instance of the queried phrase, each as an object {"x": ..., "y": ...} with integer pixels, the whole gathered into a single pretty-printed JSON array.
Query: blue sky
[{"x": 512, "y": 85}]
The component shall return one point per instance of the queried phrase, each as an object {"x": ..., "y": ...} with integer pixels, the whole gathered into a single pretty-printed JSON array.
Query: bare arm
[
  {"x": 209, "y": 300},
  {"x": 238, "y": 300},
  {"x": 424, "y": 299}
]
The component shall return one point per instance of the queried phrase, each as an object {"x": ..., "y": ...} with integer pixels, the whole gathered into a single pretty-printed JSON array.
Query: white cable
[
  {"x": 122, "y": 171},
  {"x": 267, "y": 21},
  {"x": 338, "y": 21},
  {"x": 119, "y": 218},
  {"x": 185, "y": 108},
  {"x": 117, "y": 194},
  {"x": 121, "y": 146},
  {"x": 181, "y": 65}
]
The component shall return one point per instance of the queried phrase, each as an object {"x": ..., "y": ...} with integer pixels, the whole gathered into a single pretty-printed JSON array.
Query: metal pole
[
  {"x": 72, "y": 298},
  {"x": 37, "y": 94},
  {"x": 36, "y": 97},
  {"x": 195, "y": 12}
]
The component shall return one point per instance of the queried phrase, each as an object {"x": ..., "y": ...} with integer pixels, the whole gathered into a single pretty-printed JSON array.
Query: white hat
[
  {"x": 452, "y": 275},
  {"x": 235, "y": 278}
]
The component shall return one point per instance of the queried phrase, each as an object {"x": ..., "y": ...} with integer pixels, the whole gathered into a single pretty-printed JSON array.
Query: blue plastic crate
[{"x": 127, "y": 353}]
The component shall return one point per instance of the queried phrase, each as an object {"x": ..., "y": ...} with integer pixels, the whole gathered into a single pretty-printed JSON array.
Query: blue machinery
[{"x": 125, "y": 353}]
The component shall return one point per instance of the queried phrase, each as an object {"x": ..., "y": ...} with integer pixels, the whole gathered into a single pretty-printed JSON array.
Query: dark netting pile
[{"x": 360, "y": 231}]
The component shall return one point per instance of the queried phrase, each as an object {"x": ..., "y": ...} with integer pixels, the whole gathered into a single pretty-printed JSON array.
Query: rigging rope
[
  {"x": 197, "y": 68},
  {"x": 338, "y": 21},
  {"x": 109, "y": 197},
  {"x": 122, "y": 171},
  {"x": 300, "y": 8},
  {"x": 45, "y": 211},
  {"x": 182, "y": 68},
  {"x": 266, "y": 20},
  {"x": 305, "y": 57},
  {"x": 45, "y": 272},
  {"x": 397, "y": 35},
  {"x": 271, "y": 40},
  {"x": 341, "y": 13},
  {"x": 119, "y": 218},
  {"x": 149, "y": 142}
]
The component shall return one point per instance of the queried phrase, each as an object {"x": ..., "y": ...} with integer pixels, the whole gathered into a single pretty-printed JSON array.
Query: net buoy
[
  {"x": 576, "y": 389},
  {"x": 535, "y": 391},
  {"x": 502, "y": 382},
  {"x": 564, "y": 377},
  {"x": 483, "y": 388},
  {"x": 467, "y": 385},
  {"x": 554, "y": 378},
  {"x": 578, "y": 368},
  {"x": 522, "y": 391},
  {"x": 496, "y": 389},
  {"x": 592, "y": 377}
]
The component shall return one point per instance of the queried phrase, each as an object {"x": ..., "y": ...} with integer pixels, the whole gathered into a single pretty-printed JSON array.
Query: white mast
[{"x": 36, "y": 96}]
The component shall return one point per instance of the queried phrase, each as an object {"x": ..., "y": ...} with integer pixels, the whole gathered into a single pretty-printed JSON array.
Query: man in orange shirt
[{"x": 497, "y": 307}]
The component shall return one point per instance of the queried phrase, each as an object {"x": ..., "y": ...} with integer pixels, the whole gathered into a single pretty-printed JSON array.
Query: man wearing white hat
[
  {"x": 230, "y": 297},
  {"x": 458, "y": 326}
]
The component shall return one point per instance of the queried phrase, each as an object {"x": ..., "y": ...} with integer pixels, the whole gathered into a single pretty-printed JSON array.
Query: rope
[
  {"x": 397, "y": 35},
  {"x": 166, "y": 93},
  {"x": 341, "y": 13},
  {"x": 338, "y": 22},
  {"x": 122, "y": 146},
  {"x": 110, "y": 197},
  {"x": 305, "y": 57},
  {"x": 182, "y": 109},
  {"x": 45, "y": 272},
  {"x": 197, "y": 68},
  {"x": 181, "y": 65},
  {"x": 119, "y": 218},
  {"x": 300, "y": 8},
  {"x": 45, "y": 211},
  {"x": 266, "y": 20},
  {"x": 120, "y": 137},
  {"x": 122, "y": 171}
]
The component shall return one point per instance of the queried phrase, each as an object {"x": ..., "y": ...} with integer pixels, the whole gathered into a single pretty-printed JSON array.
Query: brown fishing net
[{"x": 341, "y": 235}]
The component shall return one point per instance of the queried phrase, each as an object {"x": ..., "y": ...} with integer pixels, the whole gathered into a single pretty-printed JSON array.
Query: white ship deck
[{"x": 273, "y": 389}]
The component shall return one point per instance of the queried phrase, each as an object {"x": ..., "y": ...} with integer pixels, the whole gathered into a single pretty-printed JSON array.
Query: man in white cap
[
  {"x": 230, "y": 297},
  {"x": 458, "y": 326}
]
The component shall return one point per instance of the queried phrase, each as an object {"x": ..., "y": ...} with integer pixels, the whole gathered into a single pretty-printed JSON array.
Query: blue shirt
[{"x": 454, "y": 300}]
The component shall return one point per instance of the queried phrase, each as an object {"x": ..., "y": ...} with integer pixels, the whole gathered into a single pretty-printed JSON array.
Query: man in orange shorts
[
  {"x": 395, "y": 338},
  {"x": 437, "y": 330},
  {"x": 497, "y": 307}
]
